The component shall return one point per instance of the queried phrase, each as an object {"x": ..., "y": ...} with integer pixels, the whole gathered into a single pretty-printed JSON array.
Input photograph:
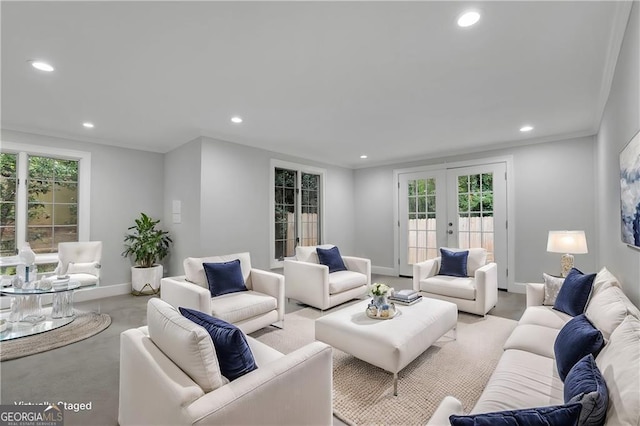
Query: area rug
[
  {"x": 363, "y": 393},
  {"x": 86, "y": 324}
]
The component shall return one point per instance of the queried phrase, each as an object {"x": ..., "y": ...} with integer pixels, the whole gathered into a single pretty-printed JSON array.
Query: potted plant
[{"x": 147, "y": 245}]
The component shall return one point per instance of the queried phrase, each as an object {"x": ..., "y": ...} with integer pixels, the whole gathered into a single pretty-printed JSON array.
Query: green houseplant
[{"x": 146, "y": 244}]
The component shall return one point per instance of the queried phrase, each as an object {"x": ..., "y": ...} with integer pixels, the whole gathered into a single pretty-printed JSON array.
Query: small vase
[{"x": 380, "y": 301}]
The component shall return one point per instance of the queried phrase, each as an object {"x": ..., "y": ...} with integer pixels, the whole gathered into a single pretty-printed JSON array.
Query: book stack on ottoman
[{"x": 406, "y": 297}]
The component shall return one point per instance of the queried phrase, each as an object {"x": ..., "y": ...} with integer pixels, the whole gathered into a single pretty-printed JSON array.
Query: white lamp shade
[{"x": 573, "y": 242}]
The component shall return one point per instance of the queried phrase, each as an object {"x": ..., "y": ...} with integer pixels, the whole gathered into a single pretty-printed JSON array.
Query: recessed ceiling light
[
  {"x": 236, "y": 120},
  {"x": 363, "y": 156},
  {"x": 88, "y": 125},
  {"x": 42, "y": 66},
  {"x": 468, "y": 18},
  {"x": 526, "y": 128}
]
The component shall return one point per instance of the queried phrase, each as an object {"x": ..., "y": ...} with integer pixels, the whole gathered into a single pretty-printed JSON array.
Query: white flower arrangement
[{"x": 380, "y": 289}]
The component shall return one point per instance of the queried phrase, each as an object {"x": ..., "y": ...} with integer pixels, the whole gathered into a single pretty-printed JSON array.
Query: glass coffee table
[{"x": 27, "y": 316}]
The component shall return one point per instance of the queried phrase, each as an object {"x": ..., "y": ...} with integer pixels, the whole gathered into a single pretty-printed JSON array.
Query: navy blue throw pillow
[
  {"x": 585, "y": 384},
  {"x": 233, "y": 352},
  {"x": 453, "y": 263},
  {"x": 574, "y": 293},
  {"x": 225, "y": 277},
  {"x": 331, "y": 258},
  {"x": 557, "y": 415},
  {"x": 576, "y": 339}
]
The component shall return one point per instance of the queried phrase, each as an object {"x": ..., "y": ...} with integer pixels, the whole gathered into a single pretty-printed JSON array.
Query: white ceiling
[{"x": 327, "y": 81}]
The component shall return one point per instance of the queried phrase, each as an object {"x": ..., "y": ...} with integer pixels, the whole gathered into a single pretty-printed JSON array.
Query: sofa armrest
[
  {"x": 426, "y": 269},
  {"x": 358, "y": 264},
  {"x": 486, "y": 279},
  {"x": 307, "y": 282},
  {"x": 448, "y": 406},
  {"x": 269, "y": 283},
  {"x": 178, "y": 292},
  {"x": 298, "y": 384},
  {"x": 535, "y": 294}
]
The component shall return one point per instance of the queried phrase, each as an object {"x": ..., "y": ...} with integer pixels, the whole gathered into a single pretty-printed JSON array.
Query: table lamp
[{"x": 568, "y": 243}]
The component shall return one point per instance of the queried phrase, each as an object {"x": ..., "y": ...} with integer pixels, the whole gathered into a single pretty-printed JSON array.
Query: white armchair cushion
[
  {"x": 187, "y": 344},
  {"x": 83, "y": 268},
  {"x": 309, "y": 254},
  {"x": 345, "y": 280},
  {"x": 458, "y": 287},
  {"x": 235, "y": 307},
  {"x": 194, "y": 271},
  {"x": 84, "y": 279},
  {"x": 477, "y": 258}
]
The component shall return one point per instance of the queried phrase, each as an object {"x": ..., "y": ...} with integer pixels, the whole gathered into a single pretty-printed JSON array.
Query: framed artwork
[{"x": 630, "y": 192}]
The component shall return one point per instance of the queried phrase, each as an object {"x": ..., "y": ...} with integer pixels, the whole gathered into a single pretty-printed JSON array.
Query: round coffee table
[{"x": 27, "y": 316}]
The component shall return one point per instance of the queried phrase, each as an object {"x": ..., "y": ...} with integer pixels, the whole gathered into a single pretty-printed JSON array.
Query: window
[
  {"x": 422, "y": 241},
  {"x": 475, "y": 212},
  {"x": 43, "y": 199},
  {"x": 8, "y": 191},
  {"x": 296, "y": 206}
]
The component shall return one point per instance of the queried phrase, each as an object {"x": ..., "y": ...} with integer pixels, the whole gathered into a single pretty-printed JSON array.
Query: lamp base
[{"x": 566, "y": 261}]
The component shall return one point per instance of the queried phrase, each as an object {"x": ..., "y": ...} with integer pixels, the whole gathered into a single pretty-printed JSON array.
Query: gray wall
[
  {"x": 182, "y": 182},
  {"x": 554, "y": 188},
  {"x": 231, "y": 194},
  {"x": 621, "y": 120},
  {"x": 124, "y": 182}
]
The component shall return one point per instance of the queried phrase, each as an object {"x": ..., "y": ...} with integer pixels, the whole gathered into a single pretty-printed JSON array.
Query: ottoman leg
[{"x": 395, "y": 384}]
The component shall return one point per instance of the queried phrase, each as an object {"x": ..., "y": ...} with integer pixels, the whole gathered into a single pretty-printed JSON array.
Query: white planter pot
[{"x": 145, "y": 280}]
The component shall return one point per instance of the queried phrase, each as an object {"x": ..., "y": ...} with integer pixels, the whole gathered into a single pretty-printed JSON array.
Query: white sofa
[
  {"x": 477, "y": 293},
  {"x": 311, "y": 283},
  {"x": 169, "y": 375},
  {"x": 259, "y": 307},
  {"x": 526, "y": 375}
]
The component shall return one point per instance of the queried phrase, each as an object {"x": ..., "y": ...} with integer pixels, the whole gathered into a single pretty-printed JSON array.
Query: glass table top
[
  {"x": 9, "y": 330},
  {"x": 71, "y": 285}
]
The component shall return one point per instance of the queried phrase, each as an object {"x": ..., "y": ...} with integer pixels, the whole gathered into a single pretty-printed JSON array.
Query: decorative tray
[{"x": 392, "y": 314}]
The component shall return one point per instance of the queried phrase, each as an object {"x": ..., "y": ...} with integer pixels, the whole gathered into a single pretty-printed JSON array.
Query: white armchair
[
  {"x": 311, "y": 283},
  {"x": 477, "y": 293},
  {"x": 169, "y": 375},
  {"x": 81, "y": 261},
  {"x": 259, "y": 307}
]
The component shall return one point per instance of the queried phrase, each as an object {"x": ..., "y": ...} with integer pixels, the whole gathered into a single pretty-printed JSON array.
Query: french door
[{"x": 461, "y": 207}]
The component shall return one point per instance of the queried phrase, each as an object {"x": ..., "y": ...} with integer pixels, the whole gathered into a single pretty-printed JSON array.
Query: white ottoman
[{"x": 389, "y": 344}]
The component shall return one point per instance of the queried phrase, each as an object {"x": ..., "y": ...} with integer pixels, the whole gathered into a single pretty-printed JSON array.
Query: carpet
[
  {"x": 363, "y": 393},
  {"x": 86, "y": 324}
]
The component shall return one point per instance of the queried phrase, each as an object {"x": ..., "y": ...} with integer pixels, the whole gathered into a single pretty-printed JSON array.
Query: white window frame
[
  {"x": 300, "y": 168},
  {"x": 84, "y": 191}
]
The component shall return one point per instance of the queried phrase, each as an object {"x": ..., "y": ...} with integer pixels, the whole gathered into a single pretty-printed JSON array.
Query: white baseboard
[
  {"x": 518, "y": 288},
  {"x": 93, "y": 293},
  {"x": 381, "y": 270},
  {"x": 100, "y": 292}
]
